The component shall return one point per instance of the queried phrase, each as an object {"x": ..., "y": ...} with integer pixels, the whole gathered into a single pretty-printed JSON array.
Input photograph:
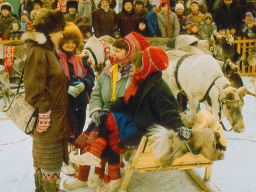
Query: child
[
  {"x": 6, "y": 20},
  {"x": 147, "y": 101},
  {"x": 24, "y": 19},
  {"x": 207, "y": 27},
  {"x": 249, "y": 29},
  {"x": 29, "y": 26},
  {"x": 112, "y": 83},
  {"x": 37, "y": 5},
  {"x": 152, "y": 21},
  {"x": 16, "y": 32},
  {"x": 179, "y": 10},
  {"x": 222, "y": 31},
  {"x": 194, "y": 30},
  {"x": 84, "y": 18},
  {"x": 72, "y": 11},
  {"x": 188, "y": 22},
  {"x": 142, "y": 28},
  {"x": 232, "y": 30}
]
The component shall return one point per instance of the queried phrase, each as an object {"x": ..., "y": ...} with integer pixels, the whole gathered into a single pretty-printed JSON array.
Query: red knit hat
[
  {"x": 154, "y": 59},
  {"x": 163, "y": 3},
  {"x": 136, "y": 43}
]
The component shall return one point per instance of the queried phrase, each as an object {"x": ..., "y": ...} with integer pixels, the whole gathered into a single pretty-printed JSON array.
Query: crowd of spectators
[{"x": 199, "y": 18}]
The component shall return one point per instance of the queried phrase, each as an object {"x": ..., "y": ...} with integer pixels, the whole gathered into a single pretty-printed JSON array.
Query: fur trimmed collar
[{"x": 40, "y": 38}]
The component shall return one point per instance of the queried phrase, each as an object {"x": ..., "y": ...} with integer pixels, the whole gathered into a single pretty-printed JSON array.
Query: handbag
[{"x": 22, "y": 113}]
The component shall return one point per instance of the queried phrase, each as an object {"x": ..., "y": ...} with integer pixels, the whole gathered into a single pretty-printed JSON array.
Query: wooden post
[{"x": 168, "y": 19}]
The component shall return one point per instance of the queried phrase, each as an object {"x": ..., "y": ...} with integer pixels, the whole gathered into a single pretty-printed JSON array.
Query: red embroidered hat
[
  {"x": 154, "y": 59},
  {"x": 136, "y": 42}
]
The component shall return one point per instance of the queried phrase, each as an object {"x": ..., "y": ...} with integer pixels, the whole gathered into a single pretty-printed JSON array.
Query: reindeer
[{"x": 201, "y": 79}]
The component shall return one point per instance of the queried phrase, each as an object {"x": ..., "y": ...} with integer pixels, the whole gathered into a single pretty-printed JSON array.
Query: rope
[
  {"x": 4, "y": 118},
  {"x": 242, "y": 139},
  {"x": 15, "y": 142}
]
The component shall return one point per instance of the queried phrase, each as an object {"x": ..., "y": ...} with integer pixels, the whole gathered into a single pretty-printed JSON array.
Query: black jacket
[{"x": 152, "y": 104}]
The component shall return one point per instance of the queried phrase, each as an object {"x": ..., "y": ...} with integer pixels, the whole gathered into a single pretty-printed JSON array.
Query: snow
[{"x": 235, "y": 173}]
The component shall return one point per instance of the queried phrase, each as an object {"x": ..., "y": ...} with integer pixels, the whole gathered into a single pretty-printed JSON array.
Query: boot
[
  {"x": 74, "y": 184},
  {"x": 68, "y": 169},
  {"x": 38, "y": 183},
  {"x": 49, "y": 185},
  {"x": 112, "y": 186},
  {"x": 94, "y": 180}
]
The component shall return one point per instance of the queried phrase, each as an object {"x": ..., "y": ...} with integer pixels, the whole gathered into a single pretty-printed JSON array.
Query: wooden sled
[{"x": 143, "y": 160}]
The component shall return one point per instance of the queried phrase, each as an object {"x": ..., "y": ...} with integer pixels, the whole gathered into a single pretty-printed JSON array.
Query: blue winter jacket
[{"x": 153, "y": 24}]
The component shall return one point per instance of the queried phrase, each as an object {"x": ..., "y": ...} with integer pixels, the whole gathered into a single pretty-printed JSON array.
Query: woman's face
[
  {"x": 128, "y": 6},
  {"x": 69, "y": 46},
  {"x": 208, "y": 21},
  {"x": 37, "y": 7},
  {"x": 56, "y": 37},
  {"x": 5, "y": 12},
  {"x": 118, "y": 53},
  {"x": 179, "y": 11}
]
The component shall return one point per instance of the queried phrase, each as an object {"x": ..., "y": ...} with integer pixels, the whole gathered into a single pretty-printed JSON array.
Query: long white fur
[{"x": 162, "y": 144}]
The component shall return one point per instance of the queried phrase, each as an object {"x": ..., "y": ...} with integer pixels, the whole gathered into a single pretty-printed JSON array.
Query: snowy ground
[{"x": 235, "y": 173}]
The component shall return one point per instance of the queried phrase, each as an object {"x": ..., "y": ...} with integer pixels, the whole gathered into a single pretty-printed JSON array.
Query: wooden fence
[{"x": 243, "y": 46}]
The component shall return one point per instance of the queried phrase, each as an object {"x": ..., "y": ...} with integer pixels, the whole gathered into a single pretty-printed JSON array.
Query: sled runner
[{"x": 143, "y": 160}]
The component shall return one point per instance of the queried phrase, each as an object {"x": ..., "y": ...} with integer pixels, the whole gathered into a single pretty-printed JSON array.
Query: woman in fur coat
[
  {"x": 46, "y": 88},
  {"x": 80, "y": 77},
  {"x": 147, "y": 101},
  {"x": 112, "y": 83}
]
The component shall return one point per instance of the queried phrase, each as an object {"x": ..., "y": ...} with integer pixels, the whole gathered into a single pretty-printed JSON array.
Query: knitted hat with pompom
[
  {"x": 249, "y": 17},
  {"x": 154, "y": 59}
]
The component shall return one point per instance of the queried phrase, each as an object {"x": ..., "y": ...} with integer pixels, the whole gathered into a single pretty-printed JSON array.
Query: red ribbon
[{"x": 8, "y": 55}]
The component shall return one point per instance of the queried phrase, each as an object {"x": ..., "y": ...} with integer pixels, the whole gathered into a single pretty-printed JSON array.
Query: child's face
[
  {"x": 188, "y": 26},
  {"x": 128, "y": 6},
  {"x": 15, "y": 27},
  {"x": 179, "y": 11},
  {"x": 72, "y": 10},
  {"x": 69, "y": 46},
  {"x": 164, "y": 9},
  {"x": 232, "y": 31},
  {"x": 5, "y": 12},
  {"x": 24, "y": 18},
  {"x": 208, "y": 21},
  {"x": 155, "y": 9},
  {"x": 250, "y": 25},
  {"x": 37, "y": 7},
  {"x": 142, "y": 26},
  {"x": 222, "y": 32},
  {"x": 118, "y": 53},
  {"x": 194, "y": 29},
  {"x": 29, "y": 28},
  {"x": 104, "y": 3}
]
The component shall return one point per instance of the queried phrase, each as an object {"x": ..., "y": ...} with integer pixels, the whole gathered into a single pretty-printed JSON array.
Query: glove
[
  {"x": 184, "y": 133},
  {"x": 77, "y": 20},
  {"x": 43, "y": 122},
  {"x": 79, "y": 85},
  {"x": 96, "y": 117},
  {"x": 73, "y": 91},
  {"x": 104, "y": 114}
]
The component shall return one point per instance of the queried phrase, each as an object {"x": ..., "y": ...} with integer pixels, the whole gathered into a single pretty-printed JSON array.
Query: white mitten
[{"x": 72, "y": 91}]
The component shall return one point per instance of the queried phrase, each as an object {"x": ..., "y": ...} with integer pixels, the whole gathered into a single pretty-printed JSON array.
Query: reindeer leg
[
  {"x": 4, "y": 80},
  {"x": 193, "y": 104}
]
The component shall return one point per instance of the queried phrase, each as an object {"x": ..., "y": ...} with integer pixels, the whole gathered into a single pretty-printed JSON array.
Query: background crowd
[{"x": 149, "y": 18}]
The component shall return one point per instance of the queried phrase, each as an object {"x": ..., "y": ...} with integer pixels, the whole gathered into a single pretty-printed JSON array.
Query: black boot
[{"x": 38, "y": 183}]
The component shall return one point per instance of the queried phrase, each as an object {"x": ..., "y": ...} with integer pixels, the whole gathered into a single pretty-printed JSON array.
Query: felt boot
[{"x": 38, "y": 182}]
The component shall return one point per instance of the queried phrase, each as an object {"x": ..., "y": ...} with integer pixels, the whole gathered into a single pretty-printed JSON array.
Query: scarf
[{"x": 75, "y": 60}]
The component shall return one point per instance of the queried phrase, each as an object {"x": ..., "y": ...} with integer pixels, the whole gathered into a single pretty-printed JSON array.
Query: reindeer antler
[{"x": 250, "y": 93}]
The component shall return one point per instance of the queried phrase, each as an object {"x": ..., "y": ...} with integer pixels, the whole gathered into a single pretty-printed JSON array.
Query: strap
[
  {"x": 208, "y": 90},
  {"x": 93, "y": 55},
  {"x": 177, "y": 68}
]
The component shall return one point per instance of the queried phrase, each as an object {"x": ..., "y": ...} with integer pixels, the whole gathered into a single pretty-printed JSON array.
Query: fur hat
[
  {"x": 49, "y": 21},
  {"x": 38, "y": 2},
  {"x": 136, "y": 42},
  {"x": 249, "y": 17},
  {"x": 7, "y": 6},
  {"x": 189, "y": 21},
  {"x": 208, "y": 15},
  {"x": 73, "y": 4},
  {"x": 179, "y": 6},
  {"x": 154, "y": 59},
  {"x": 71, "y": 32},
  {"x": 163, "y": 3},
  {"x": 195, "y": 2}
]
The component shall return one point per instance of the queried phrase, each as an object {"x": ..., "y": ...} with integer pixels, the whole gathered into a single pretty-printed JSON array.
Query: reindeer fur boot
[
  {"x": 112, "y": 186},
  {"x": 94, "y": 180},
  {"x": 74, "y": 184},
  {"x": 85, "y": 159},
  {"x": 38, "y": 183}
]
